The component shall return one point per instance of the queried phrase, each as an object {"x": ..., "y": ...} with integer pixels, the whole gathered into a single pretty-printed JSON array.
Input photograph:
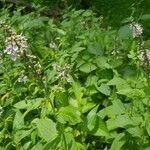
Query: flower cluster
[
  {"x": 16, "y": 45},
  {"x": 137, "y": 29},
  {"x": 144, "y": 57},
  {"x": 23, "y": 78},
  {"x": 52, "y": 45},
  {"x": 61, "y": 71}
]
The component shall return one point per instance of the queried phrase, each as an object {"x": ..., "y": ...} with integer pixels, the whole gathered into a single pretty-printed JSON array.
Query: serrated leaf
[
  {"x": 69, "y": 114},
  {"x": 46, "y": 129},
  {"x": 95, "y": 48},
  {"x": 87, "y": 67}
]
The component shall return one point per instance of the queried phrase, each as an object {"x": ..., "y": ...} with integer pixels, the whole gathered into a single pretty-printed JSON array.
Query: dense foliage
[{"x": 71, "y": 84}]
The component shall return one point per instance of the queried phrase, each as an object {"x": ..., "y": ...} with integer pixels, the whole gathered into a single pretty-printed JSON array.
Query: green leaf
[
  {"x": 95, "y": 48},
  {"x": 145, "y": 17},
  {"x": 69, "y": 114},
  {"x": 132, "y": 93},
  {"x": 53, "y": 144},
  {"x": 87, "y": 67},
  {"x": 118, "y": 142},
  {"x": 136, "y": 131},
  {"x": 25, "y": 104},
  {"x": 95, "y": 124},
  {"x": 38, "y": 146},
  {"x": 122, "y": 121},
  {"x": 119, "y": 83},
  {"x": 18, "y": 122},
  {"x": 102, "y": 62},
  {"x": 34, "y": 106},
  {"x": 60, "y": 31},
  {"x": 117, "y": 108},
  {"x": 61, "y": 99},
  {"x": 20, "y": 134},
  {"x": 105, "y": 89},
  {"x": 148, "y": 127},
  {"x": 78, "y": 91},
  {"x": 46, "y": 129},
  {"x": 125, "y": 32}
]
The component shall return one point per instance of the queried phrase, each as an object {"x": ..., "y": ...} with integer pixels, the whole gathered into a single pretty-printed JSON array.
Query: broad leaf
[
  {"x": 69, "y": 114},
  {"x": 18, "y": 122},
  {"x": 95, "y": 48},
  {"x": 46, "y": 129},
  {"x": 25, "y": 104},
  {"x": 122, "y": 121},
  {"x": 105, "y": 89},
  {"x": 132, "y": 93},
  {"x": 125, "y": 32},
  {"x": 87, "y": 67}
]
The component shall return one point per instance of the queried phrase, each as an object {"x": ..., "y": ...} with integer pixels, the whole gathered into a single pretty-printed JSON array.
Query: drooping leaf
[
  {"x": 118, "y": 142},
  {"x": 20, "y": 134},
  {"x": 95, "y": 124},
  {"x": 34, "y": 106}
]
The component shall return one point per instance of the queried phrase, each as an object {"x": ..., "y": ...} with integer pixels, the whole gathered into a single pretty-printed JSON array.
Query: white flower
[
  {"x": 12, "y": 50},
  {"x": 144, "y": 56},
  {"x": 137, "y": 29},
  {"x": 16, "y": 45},
  {"x": 23, "y": 79},
  {"x": 52, "y": 45},
  {"x": 1, "y": 110}
]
